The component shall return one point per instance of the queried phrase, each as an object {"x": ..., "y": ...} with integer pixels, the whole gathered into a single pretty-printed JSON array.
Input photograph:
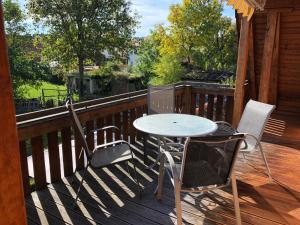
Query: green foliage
[
  {"x": 168, "y": 70},
  {"x": 230, "y": 81},
  {"x": 198, "y": 36},
  {"x": 79, "y": 31},
  {"x": 25, "y": 68},
  {"x": 148, "y": 56}
]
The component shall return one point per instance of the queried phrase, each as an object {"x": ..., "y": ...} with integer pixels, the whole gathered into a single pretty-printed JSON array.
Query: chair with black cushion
[
  {"x": 102, "y": 155},
  {"x": 207, "y": 164},
  {"x": 253, "y": 121}
]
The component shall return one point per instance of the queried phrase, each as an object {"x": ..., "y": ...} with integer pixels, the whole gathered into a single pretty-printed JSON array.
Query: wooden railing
[{"x": 52, "y": 130}]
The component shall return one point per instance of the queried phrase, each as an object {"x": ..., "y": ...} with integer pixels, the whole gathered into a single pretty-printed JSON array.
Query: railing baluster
[
  {"x": 100, "y": 134},
  {"x": 125, "y": 124},
  {"x": 90, "y": 134},
  {"x": 201, "y": 104},
  {"x": 139, "y": 113},
  {"x": 219, "y": 107},
  {"x": 117, "y": 118},
  {"x": 54, "y": 162},
  {"x": 132, "y": 128},
  {"x": 210, "y": 107},
  {"x": 38, "y": 162},
  {"x": 24, "y": 167},
  {"x": 229, "y": 108},
  {"x": 193, "y": 104},
  {"x": 108, "y": 122},
  {"x": 78, "y": 149},
  {"x": 67, "y": 151}
]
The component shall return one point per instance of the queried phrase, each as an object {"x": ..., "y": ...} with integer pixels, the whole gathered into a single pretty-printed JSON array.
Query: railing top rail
[{"x": 44, "y": 116}]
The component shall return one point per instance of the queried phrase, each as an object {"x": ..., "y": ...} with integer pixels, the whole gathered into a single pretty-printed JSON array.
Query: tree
[
  {"x": 168, "y": 70},
  {"x": 200, "y": 35},
  {"x": 81, "y": 30},
  {"x": 24, "y": 67},
  {"x": 148, "y": 56}
]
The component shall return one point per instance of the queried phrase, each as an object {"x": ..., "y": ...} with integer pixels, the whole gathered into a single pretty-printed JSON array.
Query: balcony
[{"x": 109, "y": 195}]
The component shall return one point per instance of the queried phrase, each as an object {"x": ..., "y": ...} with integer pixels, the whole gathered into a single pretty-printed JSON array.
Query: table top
[{"x": 175, "y": 125}]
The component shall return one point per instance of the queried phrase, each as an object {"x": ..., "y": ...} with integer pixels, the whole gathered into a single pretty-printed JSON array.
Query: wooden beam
[
  {"x": 251, "y": 64},
  {"x": 273, "y": 90},
  {"x": 12, "y": 205},
  {"x": 241, "y": 71},
  {"x": 265, "y": 77}
]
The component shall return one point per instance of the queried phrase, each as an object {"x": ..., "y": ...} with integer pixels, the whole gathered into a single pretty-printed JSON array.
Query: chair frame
[
  {"x": 160, "y": 140},
  {"x": 257, "y": 146},
  {"x": 89, "y": 154},
  {"x": 177, "y": 179}
]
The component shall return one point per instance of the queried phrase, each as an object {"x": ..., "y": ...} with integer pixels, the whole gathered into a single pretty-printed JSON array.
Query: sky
[{"x": 152, "y": 12}]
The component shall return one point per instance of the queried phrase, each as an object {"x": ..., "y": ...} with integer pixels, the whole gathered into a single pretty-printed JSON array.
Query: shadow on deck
[{"x": 109, "y": 196}]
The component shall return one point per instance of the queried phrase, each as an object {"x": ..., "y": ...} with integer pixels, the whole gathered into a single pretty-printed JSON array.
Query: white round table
[{"x": 175, "y": 125}]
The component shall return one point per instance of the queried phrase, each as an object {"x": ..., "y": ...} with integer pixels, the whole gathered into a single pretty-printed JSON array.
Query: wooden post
[
  {"x": 12, "y": 204},
  {"x": 265, "y": 77},
  {"x": 187, "y": 99},
  {"x": 273, "y": 90},
  {"x": 251, "y": 64},
  {"x": 241, "y": 71}
]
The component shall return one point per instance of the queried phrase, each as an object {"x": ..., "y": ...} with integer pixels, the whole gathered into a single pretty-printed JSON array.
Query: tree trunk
[{"x": 81, "y": 73}]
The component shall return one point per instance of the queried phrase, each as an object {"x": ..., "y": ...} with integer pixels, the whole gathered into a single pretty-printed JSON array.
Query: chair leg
[
  {"x": 158, "y": 191},
  {"x": 72, "y": 178},
  {"x": 136, "y": 178},
  {"x": 79, "y": 188},
  {"x": 265, "y": 160},
  {"x": 178, "y": 204},
  {"x": 145, "y": 144},
  {"x": 236, "y": 200}
]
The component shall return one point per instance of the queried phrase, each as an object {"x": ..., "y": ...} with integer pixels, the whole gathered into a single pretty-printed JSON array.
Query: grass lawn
[{"x": 32, "y": 91}]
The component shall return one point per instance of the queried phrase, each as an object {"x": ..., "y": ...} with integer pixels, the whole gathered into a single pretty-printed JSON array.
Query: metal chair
[
  {"x": 207, "y": 164},
  {"x": 102, "y": 155},
  {"x": 160, "y": 99},
  {"x": 253, "y": 121}
]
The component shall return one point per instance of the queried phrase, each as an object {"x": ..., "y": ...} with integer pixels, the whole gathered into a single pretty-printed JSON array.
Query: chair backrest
[
  {"x": 161, "y": 99},
  {"x": 78, "y": 126},
  {"x": 254, "y": 119},
  {"x": 209, "y": 160}
]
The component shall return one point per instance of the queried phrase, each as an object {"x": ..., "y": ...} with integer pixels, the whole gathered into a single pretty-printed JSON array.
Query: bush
[{"x": 168, "y": 70}]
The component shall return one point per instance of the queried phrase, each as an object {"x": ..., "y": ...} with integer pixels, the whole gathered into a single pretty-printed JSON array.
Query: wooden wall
[{"x": 287, "y": 86}]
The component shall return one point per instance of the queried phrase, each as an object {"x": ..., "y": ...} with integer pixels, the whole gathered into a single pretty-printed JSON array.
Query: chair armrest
[
  {"x": 112, "y": 143},
  {"x": 173, "y": 167},
  {"x": 103, "y": 129}
]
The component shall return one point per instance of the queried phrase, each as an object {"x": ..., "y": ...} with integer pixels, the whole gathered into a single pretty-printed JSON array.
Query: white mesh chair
[
  {"x": 102, "y": 155},
  {"x": 207, "y": 164},
  {"x": 253, "y": 122}
]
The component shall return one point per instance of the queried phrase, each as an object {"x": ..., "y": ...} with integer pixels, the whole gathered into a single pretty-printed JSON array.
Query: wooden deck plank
[{"x": 109, "y": 196}]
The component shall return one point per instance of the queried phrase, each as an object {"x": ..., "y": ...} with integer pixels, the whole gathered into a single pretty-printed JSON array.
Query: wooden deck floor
[{"x": 109, "y": 196}]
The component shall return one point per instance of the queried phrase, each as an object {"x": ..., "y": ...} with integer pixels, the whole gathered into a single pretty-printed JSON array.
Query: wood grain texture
[
  {"x": 67, "y": 151},
  {"x": 54, "y": 160},
  {"x": 38, "y": 162},
  {"x": 24, "y": 168},
  {"x": 273, "y": 89},
  {"x": 265, "y": 77},
  {"x": 109, "y": 196},
  {"x": 241, "y": 71},
  {"x": 125, "y": 124},
  {"x": 12, "y": 210},
  {"x": 100, "y": 134}
]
